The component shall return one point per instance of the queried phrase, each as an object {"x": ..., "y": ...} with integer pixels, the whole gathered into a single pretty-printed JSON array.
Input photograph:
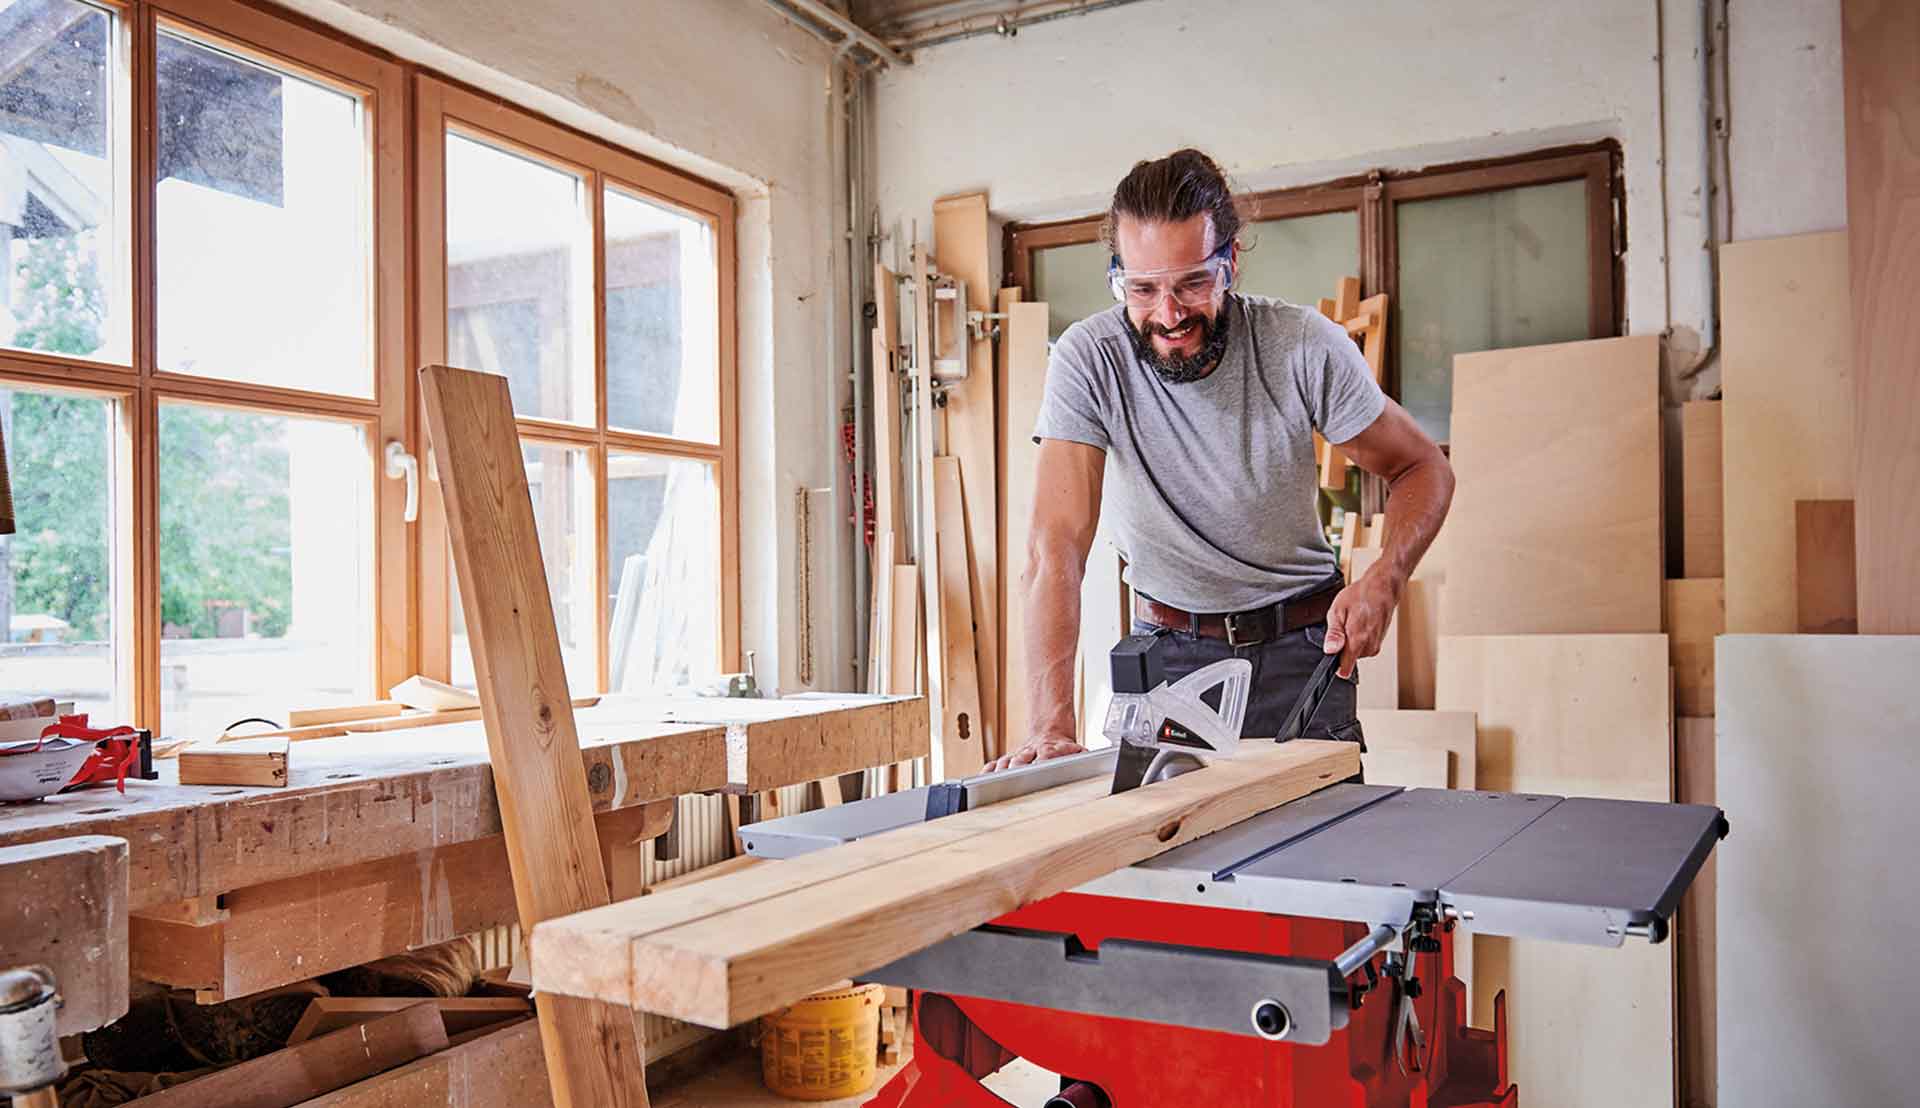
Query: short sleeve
[
  {"x": 1072, "y": 405},
  {"x": 1336, "y": 382}
]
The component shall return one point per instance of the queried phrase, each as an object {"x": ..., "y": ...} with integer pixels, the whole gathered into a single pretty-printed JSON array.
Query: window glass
[
  {"x": 1299, "y": 260},
  {"x": 663, "y": 313},
  {"x": 663, "y": 564},
  {"x": 1073, "y": 282},
  {"x": 263, "y": 224},
  {"x": 62, "y": 276},
  {"x": 57, "y": 599},
  {"x": 520, "y": 278},
  {"x": 1482, "y": 272},
  {"x": 560, "y": 484},
  {"x": 265, "y": 578}
]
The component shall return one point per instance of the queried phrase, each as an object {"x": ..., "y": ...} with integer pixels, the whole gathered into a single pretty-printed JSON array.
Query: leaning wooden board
[
  {"x": 723, "y": 951},
  {"x": 1555, "y": 528},
  {"x": 1787, "y": 420},
  {"x": 1573, "y": 715}
]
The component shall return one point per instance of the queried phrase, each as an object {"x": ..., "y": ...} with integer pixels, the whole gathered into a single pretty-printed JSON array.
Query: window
[
  {"x": 1506, "y": 253},
  {"x": 599, "y": 285}
]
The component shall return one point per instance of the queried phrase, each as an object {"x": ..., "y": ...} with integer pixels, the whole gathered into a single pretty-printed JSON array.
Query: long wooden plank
[
  {"x": 1702, "y": 549},
  {"x": 266, "y": 936},
  {"x": 773, "y": 743},
  {"x": 1787, "y": 419},
  {"x": 1556, "y": 525},
  {"x": 1880, "y": 48},
  {"x": 886, "y": 429},
  {"x": 63, "y": 904},
  {"x": 1821, "y": 834},
  {"x": 1023, "y": 379},
  {"x": 299, "y": 1073},
  {"x": 460, "y": 1015},
  {"x": 502, "y": 1069},
  {"x": 1693, "y": 930},
  {"x": 1696, "y": 613},
  {"x": 964, "y": 241},
  {"x": 963, "y": 731},
  {"x": 1581, "y": 715},
  {"x": 593, "y": 1053},
  {"x": 903, "y": 672},
  {"x": 758, "y": 952},
  {"x": 933, "y": 683},
  {"x": 1826, "y": 594}
]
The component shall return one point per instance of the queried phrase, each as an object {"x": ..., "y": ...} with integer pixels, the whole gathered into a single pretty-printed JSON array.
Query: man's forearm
[
  {"x": 1417, "y": 502},
  {"x": 1053, "y": 633}
]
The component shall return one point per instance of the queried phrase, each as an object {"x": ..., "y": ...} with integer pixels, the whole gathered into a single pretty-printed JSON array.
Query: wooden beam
[
  {"x": 344, "y": 713},
  {"x": 903, "y": 669},
  {"x": 257, "y": 762},
  {"x": 1023, "y": 380},
  {"x": 63, "y": 904},
  {"x": 933, "y": 685},
  {"x": 500, "y": 1069},
  {"x": 460, "y": 1015},
  {"x": 1826, "y": 598},
  {"x": 963, "y": 731},
  {"x": 592, "y": 1049},
  {"x": 727, "y": 950},
  {"x": 1880, "y": 52},
  {"x": 1702, "y": 541},
  {"x": 318, "y": 1066},
  {"x": 1693, "y": 926},
  {"x": 1346, "y": 299}
]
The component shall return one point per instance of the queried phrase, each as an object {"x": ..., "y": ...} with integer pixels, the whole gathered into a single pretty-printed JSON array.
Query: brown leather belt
[{"x": 1253, "y": 626}]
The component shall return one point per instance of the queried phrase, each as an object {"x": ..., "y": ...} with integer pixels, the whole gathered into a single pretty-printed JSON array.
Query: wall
[
  {"x": 735, "y": 93},
  {"x": 1788, "y": 137}
]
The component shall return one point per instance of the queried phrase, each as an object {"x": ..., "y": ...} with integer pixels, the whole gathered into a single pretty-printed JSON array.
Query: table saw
[{"x": 1303, "y": 956}]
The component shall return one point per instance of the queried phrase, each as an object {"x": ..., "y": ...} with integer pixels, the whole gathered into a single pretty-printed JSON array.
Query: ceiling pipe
[{"x": 849, "y": 30}]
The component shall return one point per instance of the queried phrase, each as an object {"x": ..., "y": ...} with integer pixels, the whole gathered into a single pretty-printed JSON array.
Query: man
[{"x": 1204, "y": 401}]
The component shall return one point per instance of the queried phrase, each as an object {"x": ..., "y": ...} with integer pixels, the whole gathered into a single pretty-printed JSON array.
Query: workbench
[{"x": 388, "y": 841}]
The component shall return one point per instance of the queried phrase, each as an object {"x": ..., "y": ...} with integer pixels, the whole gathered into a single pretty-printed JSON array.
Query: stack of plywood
[{"x": 1550, "y": 634}]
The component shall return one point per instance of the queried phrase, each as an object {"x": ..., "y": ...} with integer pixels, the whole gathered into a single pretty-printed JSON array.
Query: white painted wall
[
  {"x": 730, "y": 90},
  {"x": 1788, "y": 132}
]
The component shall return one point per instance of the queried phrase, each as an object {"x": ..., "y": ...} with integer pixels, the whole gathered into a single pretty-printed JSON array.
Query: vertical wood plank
[
  {"x": 593, "y": 1052},
  {"x": 1880, "y": 45},
  {"x": 1702, "y": 543},
  {"x": 927, "y": 549},
  {"x": 1693, "y": 927},
  {"x": 961, "y": 733},
  {"x": 904, "y": 655},
  {"x": 1023, "y": 341},
  {"x": 1825, "y": 597}
]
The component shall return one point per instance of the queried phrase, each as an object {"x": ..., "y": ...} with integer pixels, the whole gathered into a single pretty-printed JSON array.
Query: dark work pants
[{"x": 1281, "y": 669}]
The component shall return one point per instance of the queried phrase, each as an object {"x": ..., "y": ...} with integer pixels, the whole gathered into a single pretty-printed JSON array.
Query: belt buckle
[{"x": 1232, "y": 624}]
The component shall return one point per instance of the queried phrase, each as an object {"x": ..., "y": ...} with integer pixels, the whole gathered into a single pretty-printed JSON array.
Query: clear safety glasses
[{"x": 1192, "y": 285}]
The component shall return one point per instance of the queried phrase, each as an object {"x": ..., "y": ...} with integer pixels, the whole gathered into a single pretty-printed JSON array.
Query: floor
[{"x": 735, "y": 1083}]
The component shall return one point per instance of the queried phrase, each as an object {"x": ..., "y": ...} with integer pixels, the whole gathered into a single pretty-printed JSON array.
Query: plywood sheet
[
  {"x": 1787, "y": 419},
  {"x": 1416, "y": 769},
  {"x": 1024, "y": 343},
  {"x": 1406, "y": 729},
  {"x": 1380, "y": 674},
  {"x": 1826, "y": 598},
  {"x": 1419, "y": 620},
  {"x": 1702, "y": 534},
  {"x": 1696, "y": 612},
  {"x": 1880, "y": 45},
  {"x": 1817, "y": 764},
  {"x": 1582, "y": 715},
  {"x": 1555, "y": 527}
]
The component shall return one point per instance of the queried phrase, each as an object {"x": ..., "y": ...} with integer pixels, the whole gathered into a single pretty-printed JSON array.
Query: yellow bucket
[{"x": 824, "y": 1047}]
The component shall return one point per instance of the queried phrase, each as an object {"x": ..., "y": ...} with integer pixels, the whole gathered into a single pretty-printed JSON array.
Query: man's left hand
[{"x": 1357, "y": 619}]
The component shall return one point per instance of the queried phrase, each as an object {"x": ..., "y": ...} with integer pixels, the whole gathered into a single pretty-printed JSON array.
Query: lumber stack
[{"x": 737, "y": 946}]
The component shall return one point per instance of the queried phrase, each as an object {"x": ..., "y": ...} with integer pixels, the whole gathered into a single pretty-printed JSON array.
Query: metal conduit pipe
[{"x": 851, "y": 31}]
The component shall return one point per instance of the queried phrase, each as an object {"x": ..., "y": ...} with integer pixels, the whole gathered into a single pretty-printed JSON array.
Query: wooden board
[
  {"x": 1573, "y": 715},
  {"x": 727, "y": 950},
  {"x": 904, "y": 657},
  {"x": 964, "y": 242},
  {"x": 886, "y": 411},
  {"x": 1555, "y": 526},
  {"x": 63, "y": 904},
  {"x": 593, "y": 1053},
  {"x": 1826, "y": 599},
  {"x": 1817, "y": 766},
  {"x": 1693, "y": 929},
  {"x": 299, "y": 1073},
  {"x": 1419, "y": 618},
  {"x": 501, "y": 1069},
  {"x": 963, "y": 729},
  {"x": 1380, "y": 674},
  {"x": 1787, "y": 420},
  {"x": 926, "y": 544},
  {"x": 773, "y": 743},
  {"x": 1023, "y": 380},
  {"x": 1406, "y": 729},
  {"x": 265, "y": 936},
  {"x": 1696, "y": 613},
  {"x": 258, "y": 762},
  {"x": 1416, "y": 769},
  {"x": 460, "y": 1015},
  {"x": 1702, "y": 550},
  {"x": 430, "y": 695},
  {"x": 344, "y": 713},
  {"x": 1880, "y": 48}
]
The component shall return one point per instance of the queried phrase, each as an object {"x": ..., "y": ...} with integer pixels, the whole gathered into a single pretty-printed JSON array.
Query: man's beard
[{"x": 1180, "y": 369}]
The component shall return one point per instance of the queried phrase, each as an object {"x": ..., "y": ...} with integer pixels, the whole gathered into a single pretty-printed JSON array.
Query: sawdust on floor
[{"x": 734, "y": 1082}]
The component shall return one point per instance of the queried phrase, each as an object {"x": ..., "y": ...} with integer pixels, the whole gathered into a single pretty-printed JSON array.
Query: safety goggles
[{"x": 1191, "y": 285}]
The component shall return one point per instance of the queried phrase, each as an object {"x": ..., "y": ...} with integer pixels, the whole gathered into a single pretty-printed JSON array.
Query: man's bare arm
[
  {"x": 1066, "y": 510},
  {"x": 1420, "y": 487}
]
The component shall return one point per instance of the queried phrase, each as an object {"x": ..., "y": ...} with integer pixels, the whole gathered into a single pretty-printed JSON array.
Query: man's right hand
[{"x": 1035, "y": 750}]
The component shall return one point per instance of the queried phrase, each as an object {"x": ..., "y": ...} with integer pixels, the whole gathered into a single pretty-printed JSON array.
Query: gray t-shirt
[{"x": 1211, "y": 485}]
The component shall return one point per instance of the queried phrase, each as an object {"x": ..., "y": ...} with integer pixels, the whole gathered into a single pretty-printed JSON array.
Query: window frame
[
  {"x": 1375, "y": 196},
  {"x": 441, "y": 105}
]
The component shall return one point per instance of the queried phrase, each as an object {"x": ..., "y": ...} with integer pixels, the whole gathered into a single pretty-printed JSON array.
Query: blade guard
[{"x": 1174, "y": 717}]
